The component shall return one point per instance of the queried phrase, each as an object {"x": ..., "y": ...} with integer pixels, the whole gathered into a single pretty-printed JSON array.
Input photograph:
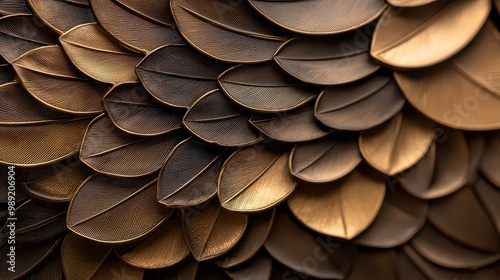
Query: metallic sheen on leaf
[{"x": 59, "y": 15}]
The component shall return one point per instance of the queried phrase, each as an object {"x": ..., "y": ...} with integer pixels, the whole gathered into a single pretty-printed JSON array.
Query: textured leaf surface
[
  {"x": 265, "y": 88},
  {"x": 178, "y": 75},
  {"x": 360, "y": 105},
  {"x": 255, "y": 180},
  {"x": 358, "y": 198},
  {"x": 96, "y": 55},
  {"x": 242, "y": 36},
  {"x": 50, "y": 268},
  {"x": 414, "y": 37},
  {"x": 50, "y": 77},
  {"x": 225, "y": 124},
  {"x": 9, "y": 7},
  {"x": 190, "y": 175},
  {"x": 156, "y": 10},
  {"x": 51, "y": 11},
  {"x": 105, "y": 209},
  {"x": 114, "y": 152},
  {"x": 491, "y": 159}
]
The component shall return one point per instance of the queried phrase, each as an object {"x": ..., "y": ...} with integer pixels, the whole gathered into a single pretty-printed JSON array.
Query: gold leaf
[
  {"x": 242, "y": 35},
  {"x": 254, "y": 180},
  {"x": 50, "y": 11},
  {"x": 491, "y": 159},
  {"x": 97, "y": 56},
  {"x": 50, "y": 77},
  {"x": 212, "y": 230},
  {"x": 343, "y": 208},
  {"x": 423, "y": 36},
  {"x": 409, "y": 3},
  {"x": 471, "y": 102},
  {"x": 397, "y": 144},
  {"x": 104, "y": 209}
]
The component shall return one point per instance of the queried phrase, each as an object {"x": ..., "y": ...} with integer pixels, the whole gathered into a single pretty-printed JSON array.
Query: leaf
[
  {"x": 135, "y": 32},
  {"x": 397, "y": 144},
  {"x": 110, "y": 151},
  {"x": 7, "y": 73},
  {"x": 476, "y": 145},
  {"x": 442, "y": 251},
  {"x": 165, "y": 247},
  {"x": 50, "y": 78},
  {"x": 408, "y": 268},
  {"x": 97, "y": 56},
  {"x": 30, "y": 134},
  {"x": 264, "y": 88},
  {"x": 258, "y": 267},
  {"x": 325, "y": 160},
  {"x": 50, "y": 268},
  {"x": 258, "y": 228},
  {"x": 21, "y": 33},
  {"x": 374, "y": 264},
  {"x": 442, "y": 170},
  {"x": 185, "y": 270},
  {"x": 212, "y": 230},
  {"x": 332, "y": 60},
  {"x": 132, "y": 110},
  {"x": 319, "y": 17},
  {"x": 409, "y": 3},
  {"x": 399, "y": 219},
  {"x": 178, "y": 75},
  {"x": 9, "y": 7},
  {"x": 459, "y": 215},
  {"x": 296, "y": 126},
  {"x": 225, "y": 124},
  {"x": 336, "y": 257},
  {"x": 489, "y": 196},
  {"x": 254, "y": 179},
  {"x": 491, "y": 159},
  {"x": 358, "y": 198},
  {"x": 57, "y": 182},
  {"x": 190, "y": 174},
  {"x": 471, "y": 102},
  {"x": 413, "y": 37},
  {"x": 50, "y": 11},
  {"x": 157, "y": 11},
  {"x": 105, "y": 209},
  {"x": 360, "y": 105},
  {"x": 242, "y": 35}
]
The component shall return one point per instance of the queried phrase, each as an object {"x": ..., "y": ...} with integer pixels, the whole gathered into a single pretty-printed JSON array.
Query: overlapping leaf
[
  {"x": 9, "y": 7},
  {"x": 50, "y": 11},
  {"x": 50, "y": 268},
  {"x": 409, "y": 3},
  {"x": 488, "y": 195},
  {"x": 7, "y": 73},
  {"x": 374, "y": 264},
  {"x": 258, "y": 267},
  {"x": 156, "y": 10},
  {"x": 491, "y": 159}
]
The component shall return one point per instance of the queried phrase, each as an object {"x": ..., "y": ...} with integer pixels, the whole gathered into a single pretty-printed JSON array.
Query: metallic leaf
[
  {"x": 254, "y": 180},
  {"x": 97, "y": 56},
  {"x": 295, "y": 126},
  {"x": 21, "y": 33},
  {"x": 358, "y": 198},
  {"x": 459, "y": 216},
  {"x": 50, "y": 77},
  {"x": 177, "y": 75},
  {"x": 325, "y": 160},
  {"x": 491, "y": 158},
  {"x": 30, "y": 134},
  {"x": 111, "y": 151},
  {"x": 165, "y": 247},
  {"x": 212, "y": 230},
  {"x": 409, "y": 3},
  {"x": 441, "y": 250},
  {"x": 489, "y": 196},
  {"x": 374, "y": 264},
  {"x": 105, "y": 209},
  {"x": 134, "y": 31},
  {"x": 397, "y": 144},
  {"x": 442, "y": 170},
  {"x": 320, "y": 17},
  {"x": 242, "y": 35},
  {"x": 61, "y": 16},
  {"x": 132, "y": 110},
  {"x": 56, "y": 182},
  {"x": 360, "y": 105},
  {"x": 399, "y": 219},
  {"x": 333, "y": 60},
  {"x": 190, "y": 174},
  {"x": 265, "y": 88},
  {"x": 413, "y": 37},
  {"x": 258, "y": 267},
  {"x": 225, "y": 124},
  {"x": 156, "y": 10},
  {"x": 9, "y": 7},
  {"x": 334, "y": 258},
  {"x": 471, "y": 102}
]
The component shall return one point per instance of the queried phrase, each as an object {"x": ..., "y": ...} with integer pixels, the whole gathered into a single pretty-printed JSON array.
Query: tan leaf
[{"x": 61, "y": 16}]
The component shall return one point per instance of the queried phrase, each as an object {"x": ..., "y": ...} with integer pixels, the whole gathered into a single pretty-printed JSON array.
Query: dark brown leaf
[
  {"x": 106, "y": 209},
  {"x": 360, "y": 105},
  {"x": 50, "y": 268},
  {"x": 374, "y": 264},
  {"x": 185, "y": 270},
  {"x": 225, "y": 124},
  {"x": 265, "y": 88},
  {"x": 7, "y": 73},
  {"x": 156, "y": 10},
  {"x": 132, "y": 110},
  {"x": 259, "y": 267},
  {"x": 8, "y": 175},
  {"x": 9, "y": 7},
  {"x": 489, "y": 196},
  {"x": 190, "y": 175},
  {"x": 491, "y": 158},
  {"x": 477, "y": 146},
  {"x": 407, "y": 269}
]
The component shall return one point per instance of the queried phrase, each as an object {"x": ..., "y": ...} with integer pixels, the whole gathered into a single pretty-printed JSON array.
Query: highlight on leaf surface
[
  {"x": 242, "y": 35},
  {"x": 427, "y": 35},
  {"x": 97, "y": 56},
  {"x": 50, "y": 77},
  {"x": 409, "y": 3},
  {"x": 320, "y": 17},
  {"x": 104, "y": 209}
]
